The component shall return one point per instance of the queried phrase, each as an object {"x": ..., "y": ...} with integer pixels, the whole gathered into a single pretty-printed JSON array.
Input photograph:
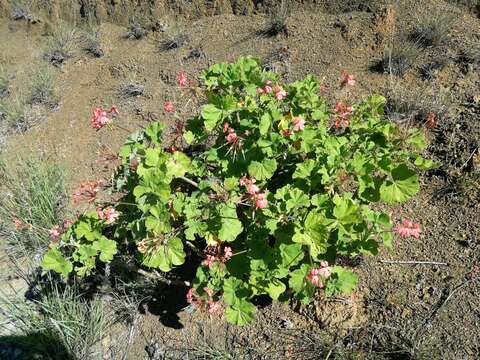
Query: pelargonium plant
[{"x": 272, "y": 187}]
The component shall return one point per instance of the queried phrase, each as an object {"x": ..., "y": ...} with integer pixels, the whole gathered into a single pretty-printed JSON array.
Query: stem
[
  {"x": 122, "y": 128},
  {"x": 157, "y": 277},
  {"x": 240, "y": 252},
  {"x": 191, "y": 182}
]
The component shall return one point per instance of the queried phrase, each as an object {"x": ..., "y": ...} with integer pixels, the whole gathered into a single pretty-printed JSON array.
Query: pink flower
[
  {"x": 268, "y": 82},
  {"x": 408, "y": 228},
  {"x": 182, "y": 79},
  {"x": 347, "y": 79},
  {"x": 232, "y": 136},
  {"x": 343, "y": 110},
  {"x": 168, "y": 107},
  {"x": 67, "y": 223},
  {"x": 226, "y": 126},
  {"x": 99, "y": 118},
  {"x": 325, "y": 270},
  {"x": 171, "y": 149},
  {"x": 227, "y": 253},
  {"x": 267, "y": 89},
  {"x": 213, "y": 306},
  {"x": 208, "y": 291},
  {"x": 341, "y": 122},
  {"x": 260, "y": 91},
  {"x": 86, "y": 191},
  {"x": 261, "y": 202},
  {"x": 19, "y": 224},
  {"x": 209, "y": 261},
  {"x": 315, "y": 278},
  {"x": 286, "y": 132},
  {"x": 55, "y": 233},
  {"x": 100, "y": 213},
  {"x": 298, "y": 124},
  {"x": 317, "y": 275},
  {"x": 243, "y": 181},
  {"x": 190, "y": 294},
  {"x": 280, "y": 94},
  {"x": 110, "y": 215},
  {"x": 252, "y": 189}
]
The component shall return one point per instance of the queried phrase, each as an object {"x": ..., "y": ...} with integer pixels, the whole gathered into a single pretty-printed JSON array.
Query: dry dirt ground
[{"x": 400, "y": 310}]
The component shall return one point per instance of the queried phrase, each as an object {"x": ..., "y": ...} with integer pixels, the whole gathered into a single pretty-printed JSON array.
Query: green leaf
[
  {"x": 417, "y": 139},
  {"x": 106, "y": 247},
  {"x": 140, "y": 190},
  {"x": 54, "y": 260},
  {"x": 298, "y": 278},
  {"x": 275, "y": 288},
  {"x": 345, "y": 210},
  {"x": 387, "y": 238},
  {"x": 154, "y": 132},
  {"x": 175, "y": 251},
  {"x": 425, "y": 164},
  {"x": 171, "y": 253},
  {"x": 211, "y": 115},
  {"x": 156, "y": 225},
  {"x": 234, "y": 290},
  {"x": 178, "y": 164},
  {"x": 152, "y": 157},
  {"x": 231, "y": 183},
  {"x": 189, "y": 137},
  {"x": 304, "y": 169},
  {"x": 315, "y": 234},
  {"x": 297, "y": 199},
  {"x": 265, "y": 122},
  {"x": 241, "y": 313},
  {"x": 291, "y": 254},
  {"x": 262, "y": 170},
  {"x": 341, "y": 281},
  {"x": 402, "y": 186},
  {"x": 85, "y": 252},
  {"x": 299, "y": 284},
  {"x": 230, "y": 286},
  {"x": 377, "y": 102},
  {"x": 84, "y": 229},
  {"x": 231, "y": 227}
]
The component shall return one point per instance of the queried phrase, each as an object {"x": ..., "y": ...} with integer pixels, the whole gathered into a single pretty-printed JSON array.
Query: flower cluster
[
  {"x": 231, "y": 137},
  {"x": 343, "y": 113},
  {"x": 267, "y": 89},
  {"x": 20, "y": 225},
  {"x": 101, "y": 117},
  {"x": 109, "y": 214},
  {"x": 168, "y": 107},
  {"x": 347, "y": 79},
  {"x": 56, "y": 231},
  {"x": 298, "y": 125},
  {"x": 209, "y": 304},
  {"x": 87, "y": 191},
  {"x": 279, "y": 92},
  {"x": 253, "y": 190},
  {"x": 317, "y": 275},
  {"x": 182, "y": 80},
  {"x": 408, "y": 228},
  {"x": 216, "y": 256}
]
